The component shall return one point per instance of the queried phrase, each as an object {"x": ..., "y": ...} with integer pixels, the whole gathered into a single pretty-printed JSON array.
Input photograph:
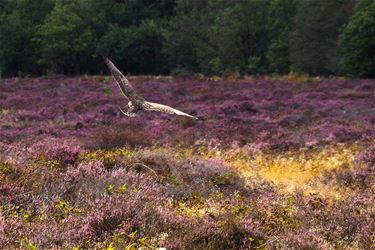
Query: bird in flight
[{"x": 136, "y": 102}]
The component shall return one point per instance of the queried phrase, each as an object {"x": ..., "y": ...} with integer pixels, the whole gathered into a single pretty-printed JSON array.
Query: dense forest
[{"x": 211, "y": 37}]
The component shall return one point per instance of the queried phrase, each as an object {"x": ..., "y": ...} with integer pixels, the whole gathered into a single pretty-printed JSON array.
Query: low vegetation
[{"x": 270, "y": 164}]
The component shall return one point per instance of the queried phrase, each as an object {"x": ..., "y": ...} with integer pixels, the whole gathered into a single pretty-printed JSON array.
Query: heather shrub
[
  {"x": 160, "y": 163},
  {"x": 62, "y": 151},
  {"x": 5, "y": 167},
  {"x": 207, "y": 234},
  {"x": 110, "y": 138},
  {"x": 271, "y": 164},
  {"x": 316, "y": 110},
  {"x": 337, "y": 230},
  {"x": 360, "y": 176},
  {"x": 367, "y": 156},
  {"x": 2, "y": 227},
  {"x": 203, "y": 178},
  {"x": 82, "y": 207},
  {"x": 27, "y": 116},
  {"x": 187, "y": 123},
  {"x": 188, "y": 178},
  {"x": 110, "y": 158}
]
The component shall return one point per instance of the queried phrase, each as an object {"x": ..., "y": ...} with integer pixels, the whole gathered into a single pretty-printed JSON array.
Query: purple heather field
[{"x": 270, "y": 164}]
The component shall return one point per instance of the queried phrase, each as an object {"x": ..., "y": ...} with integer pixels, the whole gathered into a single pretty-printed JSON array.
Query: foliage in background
[
  {"x": 137, "y": 48},
  {"x": 67, "y": 37},
  {"x": 19, "y": 22},
  {"x": 314, "y": 39},
  {"x": 280, "y": 18},
  {"x": 175, "y": 36},
  {"x": 186, "y": 35},
  {"x": 241, "y": 32},
  {"x": 358, "y": 41},
  {"x": 74, "y": 41},
  {"x": 133, "y": 34},
  {"x": 213, "y": 36}
]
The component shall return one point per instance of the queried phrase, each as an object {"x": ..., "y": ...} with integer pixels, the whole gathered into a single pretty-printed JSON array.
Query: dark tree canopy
[
  {"x": 314, "y": 39},
  {"x": 280, "y": 18},
  {"x": 174, "y": 36},
  {"x": 358, "y": 41}
]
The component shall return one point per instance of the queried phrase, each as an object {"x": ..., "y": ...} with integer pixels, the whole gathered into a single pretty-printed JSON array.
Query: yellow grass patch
[
  {"x": 295, "y": 170},
  {"x": 290, "y": 171}
]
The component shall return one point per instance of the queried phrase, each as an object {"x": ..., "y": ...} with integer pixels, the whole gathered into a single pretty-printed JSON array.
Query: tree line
[{"x": 317, "y": 37}]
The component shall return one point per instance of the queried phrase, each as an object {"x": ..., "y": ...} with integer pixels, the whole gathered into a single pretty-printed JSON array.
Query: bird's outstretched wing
[
  {"x": 123, "y": 83},
  {"x": 151, "y": 106}
]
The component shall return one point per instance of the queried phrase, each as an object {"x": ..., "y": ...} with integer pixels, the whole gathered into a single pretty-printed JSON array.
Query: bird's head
[{"x": 130, "y": 105}]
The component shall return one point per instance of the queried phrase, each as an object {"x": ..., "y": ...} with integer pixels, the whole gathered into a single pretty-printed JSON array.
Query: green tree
[
  {"x": 280, "y": 18},
  {"x": 358, "y": 41},
  {"x": 137, "y": 49},
  {"x": 18, "y": 24},
  {"x": 186, "y": 33},
  {"x": 67, "y": 37},
  {"x": 73, "y": 40},
  {"x": 241, "y": 33},
  {"x": 133, "y": 34},
  {"x": 314, "y": 40},
  {"x": 214, "y": 35}
]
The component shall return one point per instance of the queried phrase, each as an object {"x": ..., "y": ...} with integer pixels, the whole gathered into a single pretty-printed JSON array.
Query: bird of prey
[{"x": 136, "y": 102}]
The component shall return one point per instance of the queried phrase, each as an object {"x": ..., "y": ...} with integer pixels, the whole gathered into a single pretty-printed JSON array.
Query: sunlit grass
[
  {"x": 290, "y": 171},
  {"x": 297, "y": 169}
]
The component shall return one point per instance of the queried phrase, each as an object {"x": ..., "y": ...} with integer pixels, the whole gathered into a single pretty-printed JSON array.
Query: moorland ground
[{"x": 270, "y": 164}]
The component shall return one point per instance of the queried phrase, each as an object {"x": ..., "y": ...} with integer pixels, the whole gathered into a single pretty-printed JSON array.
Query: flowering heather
[{"x": 271, "y": 164}]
